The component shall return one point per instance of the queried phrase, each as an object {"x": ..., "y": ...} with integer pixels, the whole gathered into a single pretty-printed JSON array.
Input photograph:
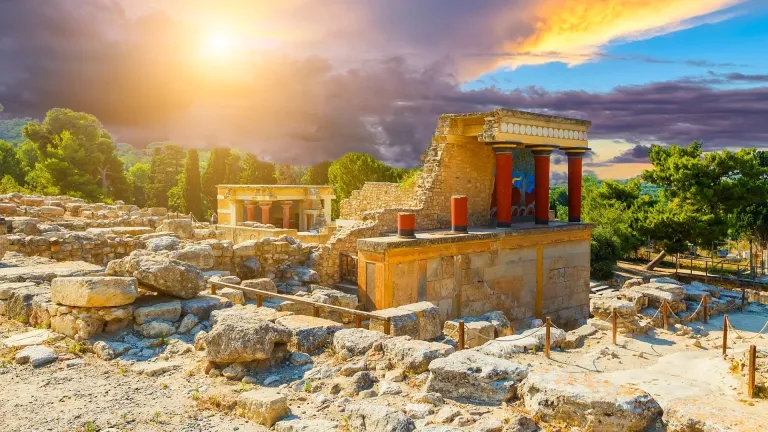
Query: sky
[{"x": 301, "y": 81}]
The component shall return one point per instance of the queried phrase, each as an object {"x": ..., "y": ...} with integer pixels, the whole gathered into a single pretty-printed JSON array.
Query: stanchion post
[
  {"x": 743, "y": 298},
  {"x": 387, "y": 326},
  {"x": 315, "y": 311},
  {"x": 213, "y": 289},
  {"x": 547, "y": 338},
  {"x": 615, "y": 322},
  {"x": 358, "y": 321},
  {"x": 725, "y": 334},
  {"x": 664, "y": 312},
  {"x": 259, "y": 301},
  {"x": 752, "y": 367},
  {"x": 461, "y": 335},
  {"x": 705, "y": 309}
]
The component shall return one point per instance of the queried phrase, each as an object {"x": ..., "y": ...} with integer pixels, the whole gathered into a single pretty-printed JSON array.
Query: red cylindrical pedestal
[
  {"x": 459, "y": 213},
  {"x": 286, "y": 214},
  {"x": 250, "y": 212},
  {"x": 504, "y": 189},
  {"x": 574, "y": 186},
  {"x": 265, "y": 212},
  {"x": 406, "y": 225},
  {"x": 541, "y": 166}
]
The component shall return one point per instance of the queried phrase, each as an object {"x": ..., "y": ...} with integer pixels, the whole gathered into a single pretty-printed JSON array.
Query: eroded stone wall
[{"x": 375, "y": 196}]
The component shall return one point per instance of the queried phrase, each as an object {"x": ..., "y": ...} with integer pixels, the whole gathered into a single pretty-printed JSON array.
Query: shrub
[{"x": 605, "y": 252}]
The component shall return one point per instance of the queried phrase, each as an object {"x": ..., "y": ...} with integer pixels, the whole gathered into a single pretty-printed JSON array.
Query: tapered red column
[
  {"x": 541, "y": 166},
  {"x": 574, "y": 184},
  {"x": 503, "y": 187},
  {"x": 250, "y": 211},
  {"x": 286, "y": 213},
  {"x": 265, "y": 207}
]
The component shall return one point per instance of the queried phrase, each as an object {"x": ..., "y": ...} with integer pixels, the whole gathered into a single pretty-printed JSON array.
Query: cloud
[
  {"x": 141, "y": 76},
  {"x": 635, "y": 154}
]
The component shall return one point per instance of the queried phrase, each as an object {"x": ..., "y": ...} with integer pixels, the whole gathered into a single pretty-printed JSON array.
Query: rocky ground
[{"x": 81, "y": 392}]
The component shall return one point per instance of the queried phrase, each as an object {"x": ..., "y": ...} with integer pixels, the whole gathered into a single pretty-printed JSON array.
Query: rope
[
  {"x": 522, "y": 337},
  {"x": 449, "y": 336},
  {"x": 690, "y": 317}
]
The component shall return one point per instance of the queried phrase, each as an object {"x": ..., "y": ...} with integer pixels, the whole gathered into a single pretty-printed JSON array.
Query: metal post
[
  {"x": 258, "y": 301},
  {"x": 547, "y": 338},
  {"x": 387, "y": 326},
  {"x": 725, "y": 334},
  {"x": 704, "y": 308},
  {"x": 615, "y": 321},
  {"x": 461, "y": 335},
  {"x": 752, "y": 367},
  {"x": 358, "y": 321},
  {"x": 664, "y": 312}
]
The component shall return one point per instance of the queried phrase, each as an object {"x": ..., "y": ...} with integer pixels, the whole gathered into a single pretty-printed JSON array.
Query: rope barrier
[{"x": 452, "y": 333}]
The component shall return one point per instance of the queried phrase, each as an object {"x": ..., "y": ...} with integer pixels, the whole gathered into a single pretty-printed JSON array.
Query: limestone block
[
  {"x": 200, "y": 256},
  {"x": 309, "y": 334},
  {"x": 355, "y": 342},
  {"x": 33, "y": 337},
  {"x": 476, "y": 332},
  {"x": 428, "y": 318},
  {"x": 36, "y": 355},
  {"x": 202, "y": 306},
  {"x": 378, "y": 418},
  {"x": 51, "y": 211},
  {"x": 414, "y": 355},
  {"x": 263, "y": 284},
  {"x": 94, "y": 291},
  {"x": 469, "y": 374},
  {"x": 160, "y": 274},
  {"x": 243, "y": 335},
  {"x": 402, "y": 322},
  {"x": 264, "y": 406},
  {"x": 234, "y": 295},
  {"x": 151, "y": 308}
]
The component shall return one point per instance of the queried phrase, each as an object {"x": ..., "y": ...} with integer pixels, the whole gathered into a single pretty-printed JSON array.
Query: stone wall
[
  {"x": 75, "y": 246},
  {"x": 375, "y": 196},
  {"x": 451, "y": 167}
]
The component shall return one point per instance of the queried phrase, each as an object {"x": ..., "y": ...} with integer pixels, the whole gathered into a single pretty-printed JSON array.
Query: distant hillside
[
  {"x": 10, "y": 130},
  {"x": 130, "y": 155}
]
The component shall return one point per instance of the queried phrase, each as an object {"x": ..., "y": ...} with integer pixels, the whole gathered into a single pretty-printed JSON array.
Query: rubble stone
[
  {"x": 264, "y": 406},
  {"x": 160, "y": 274},
  {"x": 469, "y": 374}
]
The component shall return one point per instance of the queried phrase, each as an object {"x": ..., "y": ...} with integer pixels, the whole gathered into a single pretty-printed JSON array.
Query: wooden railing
[
  {"x": 347, "y": 268},
  {"x": 261, "y": 295}
]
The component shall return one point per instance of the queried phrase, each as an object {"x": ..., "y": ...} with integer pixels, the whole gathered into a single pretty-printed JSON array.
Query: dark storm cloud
[
  {"x": 135, "y": 75},
  {"x": 636, "y": 154}
]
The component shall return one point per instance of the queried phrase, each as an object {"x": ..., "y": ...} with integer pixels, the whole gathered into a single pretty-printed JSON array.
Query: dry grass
[{"x": 217, "y": 401}]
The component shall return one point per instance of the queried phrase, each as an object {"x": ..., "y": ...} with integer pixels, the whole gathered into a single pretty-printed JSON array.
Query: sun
[{"x": 219, "y": 44}]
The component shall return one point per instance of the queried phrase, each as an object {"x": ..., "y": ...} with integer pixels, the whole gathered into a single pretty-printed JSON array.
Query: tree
[
  {"x": 75, "y": 156},
  {"x": 604, "y": 253},
  {"x": 700, "y": 192},
  {"x": 223, "y": 168},
  {"x": 287, "y": 174},
  {"x": 192, "y": 188},
  {"x": 138, "y": 175},
  {"x": 256, "y": 171},
  {"x": 317, "y": 174},
  {"x": 10, "y": 162},
  {"x": 352, "y": 170},
  {"x": 165, "y": 167}
]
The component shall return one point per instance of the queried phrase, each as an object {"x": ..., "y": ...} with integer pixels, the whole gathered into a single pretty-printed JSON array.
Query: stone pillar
[
  {"x": 250, "y": 207},
  {"x": 265, "y": 206},
  {"x": 327, "y": 210},
  {"x": 286, "y": 213},
  {"x": 574, "y": 184},
  {"x": 503, "y": 186},
  {"x": 541, "y": 167}
]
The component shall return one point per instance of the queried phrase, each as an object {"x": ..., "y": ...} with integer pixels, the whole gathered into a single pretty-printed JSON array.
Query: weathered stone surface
[
  {"x": 336, "y": 298},
  {"x": 8, "y": 287},
  {"x": 156, "y": 329},
  {"x": 587, "y": 401},
  {"x": 602, "y": 307},
  {"x": 234, "y": 295},
  {"x": 182, "y": 227},
  {"x": 160, "y": 274},
  {"x": 305, "y": 426},
  {"x": 687, "y": 415},
  {"x": 28, "y": 303},
  {"x": 36, "y": 355},
  {"x": 155, "y": 368},
  {"x": 160, "y": 308},
  {"x": 309, "y": 334},
  {"x": 469, "y": 374},
  {"x": 200, "y": 256},
  {"x": 428, "y": 319},
  {"x": 202, "y": 306},
  {"x": 658, "y": 292},
  {"x": 242, "y": 337},
  {"x": 249, "y": 269},
  {"x": 370, "y": 417},
  {"x": 188, "y": 323},
  {"x": 354, "y": 342},
  {"x": 107, "y": 350},
  {"x": 264, "y": 406},
  {"x": 263, "y": 284},
  {"x": 158, "y": 244},
  {"x": 414, "y": 355},
  {"x": 476, "y": 331},
  {"x": 402, "y": 322},
  {"x": 94, "y": 291},
  {"x": 575, "y": 338},
  {"x": 33, "y": 337}
]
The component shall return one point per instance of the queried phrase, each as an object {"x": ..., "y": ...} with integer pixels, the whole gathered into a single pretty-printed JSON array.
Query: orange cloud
[{"x": 574, "y": 31}]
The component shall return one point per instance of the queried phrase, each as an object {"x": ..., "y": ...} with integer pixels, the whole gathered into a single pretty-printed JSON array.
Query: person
[{"x": 214, "y": 219}]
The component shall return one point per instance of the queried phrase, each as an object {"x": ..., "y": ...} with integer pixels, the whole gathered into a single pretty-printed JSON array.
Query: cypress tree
[{"x": 192, "y": 187}]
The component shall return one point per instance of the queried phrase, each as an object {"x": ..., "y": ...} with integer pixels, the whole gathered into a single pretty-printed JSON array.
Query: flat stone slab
[
  {"x": 48, "y": 271},
  {"x": 264, "y": 406},
  {"x": 305, "y": 426},
  {"x": 202, "y": 306},
  {"x": 8, "y": 287},
  {"x": 469, "y": 374},
  {"x": 94, "y": 291},
  {"x": 155, "y": 368},
  {"x": 34, "y": 337},
  {"x": 36, "y": 355},
  {"x": 309, "y": 334},
  {"x": 162, "y": 308}
]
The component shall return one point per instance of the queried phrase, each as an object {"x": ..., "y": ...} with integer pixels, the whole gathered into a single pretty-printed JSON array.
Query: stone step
[
  {"x": 602, "y": 289},
  {"x": 346, "y": 288}
]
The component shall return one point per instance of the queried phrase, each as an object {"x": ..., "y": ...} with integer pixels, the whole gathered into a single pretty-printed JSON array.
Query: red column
[
  {"x": 250, "y": 212},
  {"x": 503, "y": 187},
  {"x": 406, "y": 225},
  {"x": 459, "y": 213},
  {"x": 541, "y": 166},
  {"x": 286, "y": 213},
  {"x": 265, "y": 206},
  {"x": 574, "y": 185}
]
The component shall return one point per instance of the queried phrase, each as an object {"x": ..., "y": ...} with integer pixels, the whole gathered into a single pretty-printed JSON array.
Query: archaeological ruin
[{"x": 455, "y": 303}]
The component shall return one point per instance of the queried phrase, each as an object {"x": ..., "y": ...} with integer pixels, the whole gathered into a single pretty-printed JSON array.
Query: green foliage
[
  {"x": 256, "y": 171},
  {"x": 186, "y": 196},
  {"x": 317, "y": 174},
  {"x": 410, "y": 179},
  {"x": 138, "y": 175},
  {"x": 605, "y": 252},
  {"x": 165, "y": 167},
  {"x": 287, "y": 174},
  {"x": 75, "y": 156},
  {"x": 352, "y": 170},
  {"x": 223, "y": 168},
  {"x": 10, "y": 162},
  {"x": 10, "y": 130},
  {"x": 617, "y": 208},
  {"x": 8, "y": 185}
]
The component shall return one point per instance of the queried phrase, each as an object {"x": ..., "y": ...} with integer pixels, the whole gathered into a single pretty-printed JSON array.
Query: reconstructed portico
[{"x": 285, "y": 206}]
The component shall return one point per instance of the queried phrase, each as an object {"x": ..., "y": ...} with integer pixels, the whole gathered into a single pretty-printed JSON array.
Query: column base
[
  {"x": 459, "y": 229},
  {"x": 574, "y": 219},
  {"x": 503, "y": 224},
  {"x": 542, "y": 221}
]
